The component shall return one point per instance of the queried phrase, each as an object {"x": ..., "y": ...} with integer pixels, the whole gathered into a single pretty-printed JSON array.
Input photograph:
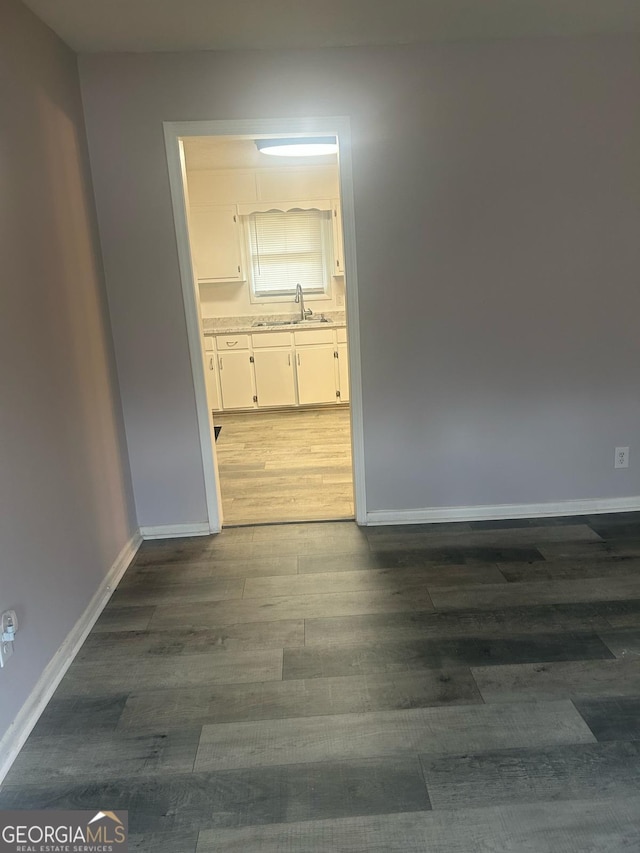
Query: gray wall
[
  {"x": 65, "y": 497},
  {"x": 497, "y": 198}
]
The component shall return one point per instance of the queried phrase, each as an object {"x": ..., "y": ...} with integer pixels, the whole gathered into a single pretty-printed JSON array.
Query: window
[{"x": 287, "y": 248}]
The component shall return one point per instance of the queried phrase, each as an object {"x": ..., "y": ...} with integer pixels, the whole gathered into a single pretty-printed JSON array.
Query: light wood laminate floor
[
  {"x": 285, "y": 466},
  {"x": 313, "y": 688}
]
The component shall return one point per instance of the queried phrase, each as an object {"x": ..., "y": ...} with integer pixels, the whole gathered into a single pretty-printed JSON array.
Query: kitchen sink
[{"x": 308, "y": 321}]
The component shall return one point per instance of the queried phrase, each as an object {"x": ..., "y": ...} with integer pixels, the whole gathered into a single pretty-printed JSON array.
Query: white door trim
[
  {"x": 175, "y": 162},
  {"x": 339, "y": 126}
]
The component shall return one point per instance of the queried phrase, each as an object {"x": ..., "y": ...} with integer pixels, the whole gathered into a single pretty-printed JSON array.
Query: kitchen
[{"x": 267, "y": 252}]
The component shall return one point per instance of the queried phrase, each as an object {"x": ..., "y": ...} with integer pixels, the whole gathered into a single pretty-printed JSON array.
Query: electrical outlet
[
  {"x": 622, "y": 457},
  {"x": 8, "y": 628}
]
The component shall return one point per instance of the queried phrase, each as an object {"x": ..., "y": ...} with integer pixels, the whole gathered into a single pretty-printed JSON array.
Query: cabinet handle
[
  {"x": 211, "y": 363},
  {"x": 298, "y": 359},
  {"x": 231, "y": 343},
  {"x": 220, "y": 362},
  {"x": 289, "y": 359}
]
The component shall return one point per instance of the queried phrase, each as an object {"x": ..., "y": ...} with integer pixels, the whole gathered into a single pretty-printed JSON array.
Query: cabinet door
[
  {"x": 236, "y": 380},
  {"x": 316, "y": 370},
  {"x": 338, "y": 242},
  {"x": 215, "y": 243},
  {"x": 343, "y": 373},
  {"x": 275, "y": 385},
  {"x": 211, "y": 376}
]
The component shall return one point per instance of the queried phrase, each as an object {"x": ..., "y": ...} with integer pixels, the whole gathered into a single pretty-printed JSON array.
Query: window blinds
[{"x": 287, "y": 248}]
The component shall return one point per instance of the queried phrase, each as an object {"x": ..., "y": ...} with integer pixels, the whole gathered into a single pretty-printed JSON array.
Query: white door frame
[{"x": 340, "y": 126}]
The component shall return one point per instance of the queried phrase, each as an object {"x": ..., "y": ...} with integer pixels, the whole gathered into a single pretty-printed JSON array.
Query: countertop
[{"x": 232, "y": 325}]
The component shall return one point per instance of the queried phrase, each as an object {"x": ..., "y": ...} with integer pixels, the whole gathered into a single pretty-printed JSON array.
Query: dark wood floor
[{"x": 318, "y": 687}]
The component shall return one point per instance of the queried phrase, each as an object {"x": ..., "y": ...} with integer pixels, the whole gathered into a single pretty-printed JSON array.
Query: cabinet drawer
[
  {"x": 342, "y": 336},
  {"x": 313, "y": 336},
  {"x": 232, "y": 342},
  {"x": 271, "y": 339}
]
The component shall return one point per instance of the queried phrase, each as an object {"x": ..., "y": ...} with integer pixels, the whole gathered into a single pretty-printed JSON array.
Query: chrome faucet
[{"x": 304, "y": 312}]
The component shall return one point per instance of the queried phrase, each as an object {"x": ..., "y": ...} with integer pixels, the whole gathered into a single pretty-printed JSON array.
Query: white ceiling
[{"x": 162, "y": 25}]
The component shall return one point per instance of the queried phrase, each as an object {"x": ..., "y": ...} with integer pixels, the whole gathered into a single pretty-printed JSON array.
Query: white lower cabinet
[
  {"x": 275, "y": 382},
  {"x": 343, "y": 373},
  {"x": 236, "y": 379},
  {"x": 316, "y": 370},
  {"x": 277, "y": 369},
  {"x": 211, "y": 376}
]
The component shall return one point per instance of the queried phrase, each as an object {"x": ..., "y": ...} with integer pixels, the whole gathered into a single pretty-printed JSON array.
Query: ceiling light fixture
[{"x": 312, "y": 146}]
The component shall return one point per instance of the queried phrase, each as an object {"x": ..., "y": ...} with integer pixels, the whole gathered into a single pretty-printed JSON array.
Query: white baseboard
[
  {"x": 19, "y": 730},
  {"x": 173, "y": 531},
  {"x": 432, "y": 515}
]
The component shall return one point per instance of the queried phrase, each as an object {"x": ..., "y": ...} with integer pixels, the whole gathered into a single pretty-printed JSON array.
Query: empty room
[{"x": 320, "y": 490}]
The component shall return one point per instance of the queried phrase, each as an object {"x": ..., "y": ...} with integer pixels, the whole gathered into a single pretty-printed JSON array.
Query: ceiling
[{"x": 166, "y": 25}]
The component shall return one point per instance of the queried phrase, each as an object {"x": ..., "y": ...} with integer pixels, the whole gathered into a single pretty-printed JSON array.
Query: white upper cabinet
[
  {"x": 296, "y": 183},
  {"x": 215, "y": 243},
  {"x": 217, "y": 197},
  {"x": 230, "y": 186}
]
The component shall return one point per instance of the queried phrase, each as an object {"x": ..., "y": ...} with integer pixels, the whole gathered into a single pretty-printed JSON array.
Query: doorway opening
[{"x": 266, "y": 258}]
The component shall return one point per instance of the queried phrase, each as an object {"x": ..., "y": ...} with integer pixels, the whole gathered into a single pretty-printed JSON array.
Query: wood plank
[
  {"x": 560, "y": 827},
  {"x": 575, "y": 772},
  {"x": 124, "y": 618},
  {"x": 612, "y": 718},
  {"x": 391, "y": 581},
  {"x": 173, "y": 671},
  {"x": 74, "y": 714},
  {"x": 383, "y": 733},
  {"x": 570, "y": 569},
  {"x": 213, "y": 567},
  {"x": 624, "y": 642},
  {"x": 548, "y": 681},
  {"x": 434, "y": 654},
  {"x": 261, "y": 795},
  {"x": 344, "y": 561},
  {"x": 398, "y": 627},
  {"x": 518, "y": 594},
  {"x": 401, "y": 555},
  {"x": 192, "y": 707},
  {"x": 341, "y": 534},
  {"x": 521, "y": 537},
  {"x": 166, "y": 591},
  {"x": 102, "y": 755},
  {"x": 624, "y": 613},
  {"x": 163, "y": 842},
  {"x": 129, "y": 645},
  {"x": 217, "y": 613}
]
